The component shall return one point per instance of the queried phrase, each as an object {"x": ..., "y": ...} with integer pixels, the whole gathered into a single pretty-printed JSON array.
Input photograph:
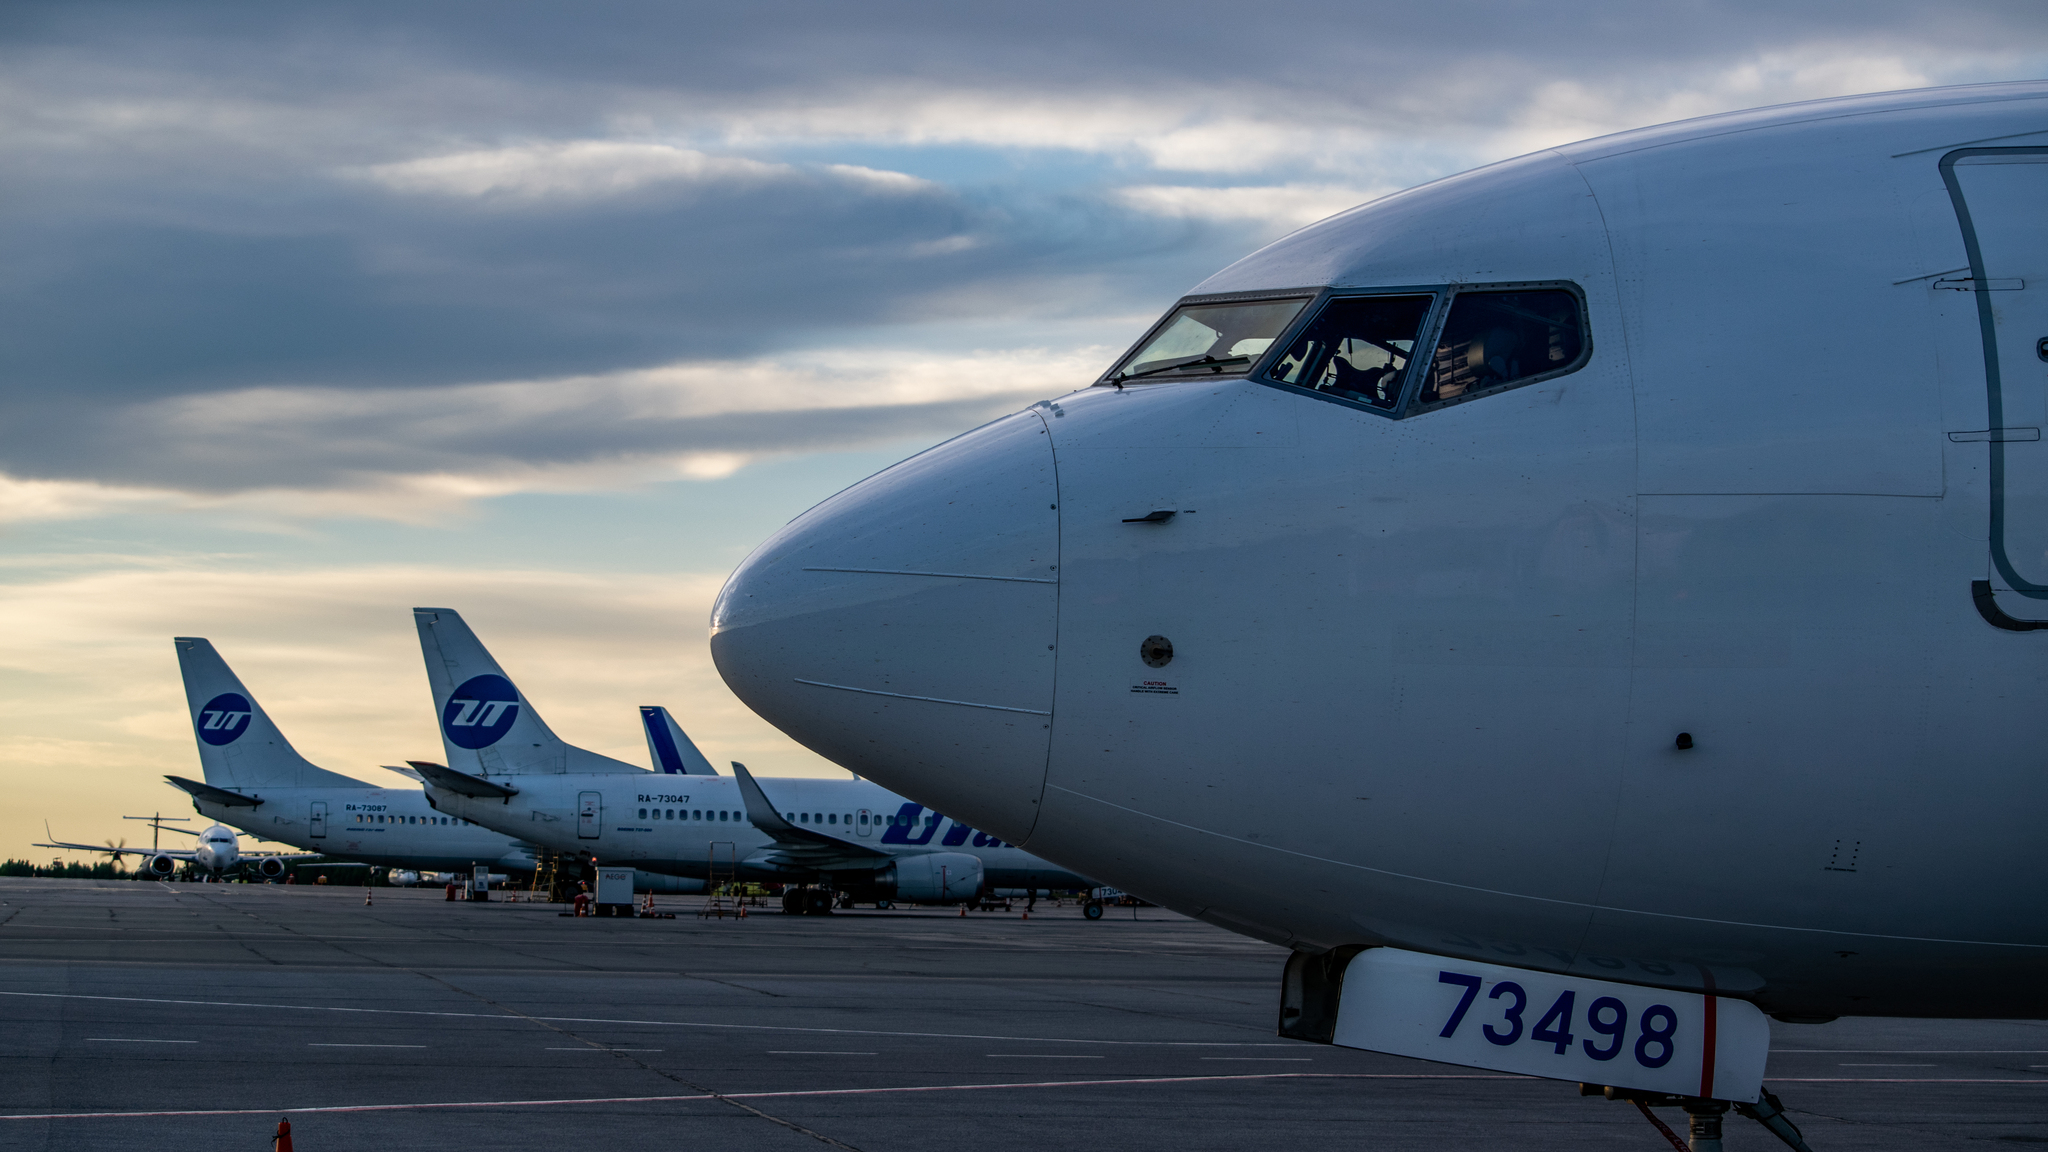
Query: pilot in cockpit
[{"x": 1373, "y": 384}]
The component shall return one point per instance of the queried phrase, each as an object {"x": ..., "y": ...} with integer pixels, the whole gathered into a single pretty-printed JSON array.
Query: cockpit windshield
[
  {"x": 1358, "y": 348},
  {"x": 1209, "y": 339}
]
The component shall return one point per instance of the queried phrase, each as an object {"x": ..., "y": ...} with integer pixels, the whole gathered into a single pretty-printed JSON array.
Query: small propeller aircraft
[{"x": 217, "y": 852}]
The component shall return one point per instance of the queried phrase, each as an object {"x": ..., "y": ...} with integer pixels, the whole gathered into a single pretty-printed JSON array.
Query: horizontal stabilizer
[
  {"x": 460, "y": 783},
  {"x": 408, "y": 773},
  {"x": 212, "y": 795}
]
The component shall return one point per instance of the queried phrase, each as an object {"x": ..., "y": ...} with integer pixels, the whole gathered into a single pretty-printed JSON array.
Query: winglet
[
  {"x": 460, "y": 783},
  {"x": 760, "y": 813},
  {"x": 801, "y": 847}
]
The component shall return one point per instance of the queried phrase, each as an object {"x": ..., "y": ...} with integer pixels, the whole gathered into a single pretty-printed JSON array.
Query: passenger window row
[
  {"x": 703, "y": 814},
  {"x": 1361, "y": 348},
  {"x": 361, "y": 818},
  {"x": 793, "y": 817}
]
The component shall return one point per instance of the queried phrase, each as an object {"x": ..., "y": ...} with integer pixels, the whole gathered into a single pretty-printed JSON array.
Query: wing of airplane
[
  {"x": 795, "y": 846},
  {"x": 173, "y": 853},
  {"x": 183, "y": 853}
]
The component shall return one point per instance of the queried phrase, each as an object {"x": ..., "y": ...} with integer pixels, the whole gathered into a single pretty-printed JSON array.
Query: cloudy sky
[{"x": 549, "y": 312}]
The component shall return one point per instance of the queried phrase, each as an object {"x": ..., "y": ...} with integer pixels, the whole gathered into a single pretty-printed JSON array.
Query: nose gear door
[{"x": 1998, "y": 194}]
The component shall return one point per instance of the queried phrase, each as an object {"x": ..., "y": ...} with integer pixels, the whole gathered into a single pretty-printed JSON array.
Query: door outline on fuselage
[
  {"x": 1994, "y": 388},
  {"x": 865, "y": 823},
  {"x": 589, "y": 815},
  {"x": 316, "y": 821}
]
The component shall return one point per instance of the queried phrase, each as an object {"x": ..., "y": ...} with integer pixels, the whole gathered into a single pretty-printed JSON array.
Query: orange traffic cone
[
  {"x": 963, "y": 909},
  {"x": 366, "y": 897},
  {"x": 282, "y": 1142}
]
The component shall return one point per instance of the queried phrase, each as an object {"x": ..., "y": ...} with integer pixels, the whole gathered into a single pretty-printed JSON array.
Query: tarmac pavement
[{"x": 194, "y": 1016}]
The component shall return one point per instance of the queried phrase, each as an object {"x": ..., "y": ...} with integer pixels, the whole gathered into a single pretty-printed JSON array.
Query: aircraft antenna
[{"x": 156, "y": 824}]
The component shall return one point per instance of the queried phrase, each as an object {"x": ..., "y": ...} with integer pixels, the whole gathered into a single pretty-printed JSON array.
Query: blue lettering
[
  {"x": 906, "y": 821},
  {"x": 957, "y": 835}
]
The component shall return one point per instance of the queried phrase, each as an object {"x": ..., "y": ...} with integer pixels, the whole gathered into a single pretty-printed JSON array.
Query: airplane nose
[{"x": 904, "y": 628}]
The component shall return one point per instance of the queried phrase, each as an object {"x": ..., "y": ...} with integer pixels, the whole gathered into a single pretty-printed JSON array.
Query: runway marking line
[
  {"x": 796, "y": 1093},
  {"x": 132, "y": 1040},
  {"x": 655, "y": 1023},
  {"x": 366, "y": 1045},
  {"x": 443, "y": 1105},
  {"x": 1901, "y": 1080}
]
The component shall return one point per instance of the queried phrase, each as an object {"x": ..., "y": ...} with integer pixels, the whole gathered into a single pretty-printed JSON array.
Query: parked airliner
[
  {"x": 1615, "y": 578},
  {"x": 508, "y": 770},
  {"x": 216, "y": 853},
  {"x": 256, "y": 781}
]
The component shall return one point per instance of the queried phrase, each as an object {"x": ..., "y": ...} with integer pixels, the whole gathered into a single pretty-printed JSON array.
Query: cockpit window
[
  {"x": 1493, "y": 340},
  {"x": 1357, "y": 348},
  {"x": 1209, "y": 339}
]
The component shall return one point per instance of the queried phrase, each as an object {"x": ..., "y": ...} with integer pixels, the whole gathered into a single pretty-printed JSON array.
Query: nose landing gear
[{"x": 1705, "y": 1117}]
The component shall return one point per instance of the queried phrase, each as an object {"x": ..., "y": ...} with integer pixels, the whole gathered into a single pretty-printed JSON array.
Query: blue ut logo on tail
[
  {"x": 480, "y": 712},
  {"x": 224, "y": 718}
]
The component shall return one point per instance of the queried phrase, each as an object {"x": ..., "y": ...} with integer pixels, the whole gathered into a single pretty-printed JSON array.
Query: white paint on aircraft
[
  {"x": 688, "y": 821},
  {"x": 1566, "y": 565}
]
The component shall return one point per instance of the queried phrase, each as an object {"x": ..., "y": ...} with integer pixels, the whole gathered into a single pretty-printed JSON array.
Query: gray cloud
[{"x": 226, "y": 204}]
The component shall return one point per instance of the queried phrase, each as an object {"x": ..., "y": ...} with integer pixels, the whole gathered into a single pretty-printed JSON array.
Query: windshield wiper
[{"x": 1200, "y": 362}]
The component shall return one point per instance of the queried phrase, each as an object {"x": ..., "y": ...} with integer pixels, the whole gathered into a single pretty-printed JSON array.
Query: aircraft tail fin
[
  {"x": 488, "y": 727},
  {"x": 670, "y": 747},
  {"x": 239, "y": 746}
]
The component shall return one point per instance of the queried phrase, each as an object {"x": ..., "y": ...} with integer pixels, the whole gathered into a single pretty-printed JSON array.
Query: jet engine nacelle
[
  {"x": 271, "y": 868},
  {"x": 662, "y": 885},
  {"x": 934, "y": 878},
  {"x": 162, "y": 865}
]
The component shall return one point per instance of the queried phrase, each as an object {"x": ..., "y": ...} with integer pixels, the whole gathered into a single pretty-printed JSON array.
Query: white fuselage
[
  {"x": 217, "y": 850},
  {"x": 391, "y": 827},
  {"x": 687, "y": 825},
  {"x": 1430, "y": 669}
]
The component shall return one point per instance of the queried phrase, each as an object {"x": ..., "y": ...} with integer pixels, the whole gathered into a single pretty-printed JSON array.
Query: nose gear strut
[{"x": 1705, "y": 1116}]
